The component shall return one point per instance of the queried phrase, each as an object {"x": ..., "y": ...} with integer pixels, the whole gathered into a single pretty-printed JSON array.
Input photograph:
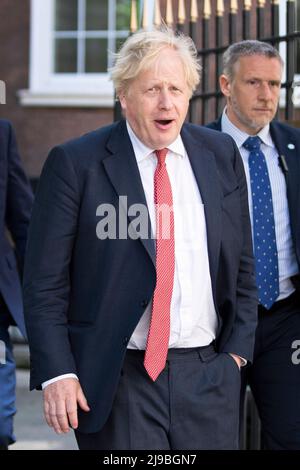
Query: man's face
[
  {"x": 157, "y": 100},
  {"x": 253, "y": 94}
]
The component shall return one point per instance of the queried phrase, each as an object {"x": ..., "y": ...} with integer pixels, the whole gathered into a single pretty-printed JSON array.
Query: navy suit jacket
[
  {"x": 84, "y": 296},
  {"x": 287, "y": 143},
  {"x": 15, "y": 208}
]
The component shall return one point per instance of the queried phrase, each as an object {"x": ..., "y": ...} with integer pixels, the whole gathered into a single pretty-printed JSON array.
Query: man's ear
[
  {"x": 122, "y": 99},
  {"x": 225, "y": 85}
]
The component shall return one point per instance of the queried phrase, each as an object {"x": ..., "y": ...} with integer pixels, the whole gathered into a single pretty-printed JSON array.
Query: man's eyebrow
[{"x": 253, "y": 77}]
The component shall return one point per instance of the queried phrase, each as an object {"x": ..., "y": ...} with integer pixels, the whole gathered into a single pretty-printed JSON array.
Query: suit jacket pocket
[{"x": 233, "y": 194}]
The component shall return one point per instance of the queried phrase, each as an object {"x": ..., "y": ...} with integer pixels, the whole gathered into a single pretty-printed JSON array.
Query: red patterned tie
[{"x": 159, "y": 331}]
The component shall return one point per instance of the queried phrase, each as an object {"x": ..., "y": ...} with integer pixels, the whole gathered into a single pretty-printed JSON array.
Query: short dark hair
[{"x": 247, "y": 48}]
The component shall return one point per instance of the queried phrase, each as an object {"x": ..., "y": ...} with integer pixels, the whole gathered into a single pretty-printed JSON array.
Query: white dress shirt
[
  {"x": 193, "y": 316},
  {"x": 287, "y": 262}
]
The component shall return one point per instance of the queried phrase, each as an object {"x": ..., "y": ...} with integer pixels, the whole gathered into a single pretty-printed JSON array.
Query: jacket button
[{"x": 144, "y": 303}]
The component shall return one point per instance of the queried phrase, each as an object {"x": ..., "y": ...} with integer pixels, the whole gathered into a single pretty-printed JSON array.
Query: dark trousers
[
  {"x": 193, "y": 405},
  {"x": 7, "y": 380},
  {"x": 274, "y": 377}
]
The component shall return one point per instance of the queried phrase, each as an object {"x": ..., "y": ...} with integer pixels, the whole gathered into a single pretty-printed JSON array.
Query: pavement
[{"x": 31, "y": 430}]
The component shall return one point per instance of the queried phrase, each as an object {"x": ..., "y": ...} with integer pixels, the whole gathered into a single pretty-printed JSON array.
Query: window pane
[
  {"x": 96, "y": 15},
  {"x": 66, "y": 15},
  {"x": 66, "y": 55},
  {"x": 123, "y": 14},
  {"x": 96, "y": 56}
]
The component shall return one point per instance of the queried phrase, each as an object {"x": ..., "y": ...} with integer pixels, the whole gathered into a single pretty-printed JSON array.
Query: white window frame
[{"x": 52, "y": 89}]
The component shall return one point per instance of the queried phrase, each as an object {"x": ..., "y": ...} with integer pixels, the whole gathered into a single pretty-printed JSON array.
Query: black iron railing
[{"x": 214, "y": 25}]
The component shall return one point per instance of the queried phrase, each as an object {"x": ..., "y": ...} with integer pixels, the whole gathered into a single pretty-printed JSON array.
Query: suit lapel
[
  {"x": 205, "y": 169},
  {"x": 122, "y": 170}
]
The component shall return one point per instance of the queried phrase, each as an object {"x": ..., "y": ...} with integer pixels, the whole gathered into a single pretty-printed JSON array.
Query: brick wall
[{"x": 38, "y": 129}]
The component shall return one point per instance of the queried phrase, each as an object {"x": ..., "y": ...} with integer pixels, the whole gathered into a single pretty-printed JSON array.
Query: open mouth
[{"x": 163, "y": 123}]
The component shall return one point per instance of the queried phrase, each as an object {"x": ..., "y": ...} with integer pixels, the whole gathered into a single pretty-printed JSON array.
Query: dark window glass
[
  {"x": 66, "y": 55},
  {"x": 96, "y": 15},
  {"x": 96, "y": 56},
  {"x": 66, "y": 12}
]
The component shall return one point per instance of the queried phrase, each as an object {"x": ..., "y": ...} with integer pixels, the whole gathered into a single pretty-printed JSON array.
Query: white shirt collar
[
  {"x": 240, "y": 136},
  {"x": 142, "y": 151}
]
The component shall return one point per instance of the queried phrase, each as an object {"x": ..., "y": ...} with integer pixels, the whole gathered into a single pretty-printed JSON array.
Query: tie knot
[
  {"x": 252, "y": 143},
  {"x": 161, "y": 155}
]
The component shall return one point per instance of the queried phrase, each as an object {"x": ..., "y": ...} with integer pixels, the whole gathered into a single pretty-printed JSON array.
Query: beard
[{"x": 255, "y": 123}]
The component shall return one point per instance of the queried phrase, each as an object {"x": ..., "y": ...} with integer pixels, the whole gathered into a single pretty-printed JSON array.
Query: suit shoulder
[
  {"x": 6, "y": 137},
  {"x": 5, "y": 125},
  {"x": 284, "y": 128},
  {"x": 83, "y": 150},
  {"x": 93, "y": 139},
  {"x": 210, "y": 135},
  {"x": 216, "y": 125}
]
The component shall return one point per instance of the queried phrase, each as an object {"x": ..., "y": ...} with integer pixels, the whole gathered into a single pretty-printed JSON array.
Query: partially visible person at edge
[
  {"x": 271, "y": 155},
  {"x": 15, "y": 209},
  {"x": 153, "y": 332}
]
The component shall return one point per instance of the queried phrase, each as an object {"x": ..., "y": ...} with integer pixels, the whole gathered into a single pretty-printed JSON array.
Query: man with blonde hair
[{"x": 139, "y": 288}]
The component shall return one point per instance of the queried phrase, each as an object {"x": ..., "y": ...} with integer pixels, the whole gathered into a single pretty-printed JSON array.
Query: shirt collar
[
  {"x": 240, "y": 136},
  {"x": 141, "y": 151}
]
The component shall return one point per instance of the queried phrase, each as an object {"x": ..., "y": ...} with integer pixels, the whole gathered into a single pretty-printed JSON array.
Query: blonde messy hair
[{"x": 141, "y": 49}]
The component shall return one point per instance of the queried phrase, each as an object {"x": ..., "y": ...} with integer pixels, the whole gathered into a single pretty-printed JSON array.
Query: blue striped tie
[{"x": 265, "y": 248}]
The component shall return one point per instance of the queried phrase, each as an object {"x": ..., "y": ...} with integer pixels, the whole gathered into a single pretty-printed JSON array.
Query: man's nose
[
  {"x": 165, "y": 100},
  {"x": 265, "y": 92}
]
